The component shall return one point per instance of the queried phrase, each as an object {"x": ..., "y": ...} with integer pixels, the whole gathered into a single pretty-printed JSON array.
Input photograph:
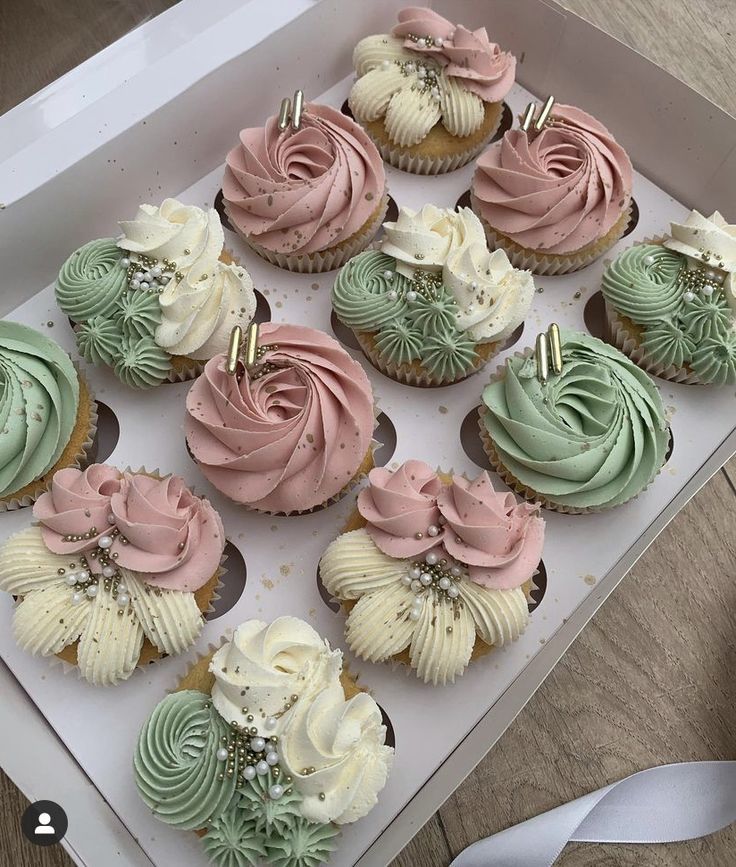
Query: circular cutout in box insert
[
  {"x": 343, "y": 333},
  {"x": 107, "y": 435},
  {"x": 507, "y": 121},
  {"x": 471, "y": 441},
  {"x": 219, "y": 206},
  {"x": 332, "y": 603},
  {"x": 232, "y": 582},
  {"x": 390, "y": 733},
  {"x": 540, "y": 586},
  {"x": 594, "y": 316},
  {"x": 385, "y": 434},
  {"x": 634, "y": 219}
]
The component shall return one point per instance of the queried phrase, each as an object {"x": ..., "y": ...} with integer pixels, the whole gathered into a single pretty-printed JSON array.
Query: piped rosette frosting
[
  {"x": 160, "y": 292},
  {"x": 271, "y": 754},
  {"x": 429, "y": 72},
  {"x": 671, "y": 302},
  {"x": 557, "y": 192},
  {"x": 433, "y": 296},
  {"x": 302, "y": 193},
  {"x": 439, "y": 564},
  {"x": 291, "y": 434},
  {"x": 115, "y": 561}
]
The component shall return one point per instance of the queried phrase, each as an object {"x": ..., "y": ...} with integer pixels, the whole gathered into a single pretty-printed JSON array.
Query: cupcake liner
[
  {"x": 184, "y": 368},
  {"x": 518, "y": 487},
  {"x": 76, "y": 453},
  {"x": 414, "y": 373},
  {"x": 549, "y": 264},
  {"x": 424, "y": 164},
  {"x": 324, "y": 260}
]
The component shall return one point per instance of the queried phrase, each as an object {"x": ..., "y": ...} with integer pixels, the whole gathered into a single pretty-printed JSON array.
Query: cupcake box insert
[{"x": 179, "y": 152}]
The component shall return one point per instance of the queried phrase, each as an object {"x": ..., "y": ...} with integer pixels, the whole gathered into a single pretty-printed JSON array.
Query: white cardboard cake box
[{"x": 153, "y": 115}]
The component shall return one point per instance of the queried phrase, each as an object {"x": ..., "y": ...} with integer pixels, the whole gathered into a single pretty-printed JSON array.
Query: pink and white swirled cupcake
[
  {"x": 433, "y": 569},
  {"x": 118, "y": 571},
  {"x": 293, "y": 433},
  {"x": 306, "y": 198},
  {"x": 557, "y": 198}
]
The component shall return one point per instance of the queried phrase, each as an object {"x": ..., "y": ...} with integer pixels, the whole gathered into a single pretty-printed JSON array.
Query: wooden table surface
[{"x": 650, "y": 680}]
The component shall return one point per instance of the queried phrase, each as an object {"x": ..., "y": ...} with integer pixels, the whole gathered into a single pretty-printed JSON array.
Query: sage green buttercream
[
  {"x": 714, "y": 360},
  {"x": 141, "y": 362},
  {"x": 593, "y": 436},
  {"x": 269, "y": 816},
  {"x": 434, "y": 316},
  {"x": 233, "y": 841},
  {"x": 39, "y": 399},
  {"x": 642, "y": 283},
  {"x": 91, "y": 280},
  {"x": 98, "y": 340},
  {"x": 707, "y": 317},
  {"x": 360, "y": 294},
  {"x": 177, "y": 771},
  {"x": 666, "y": 343},
  {"x": 448, "y": 356},
  {"x": 308, "y": 845},
  {"x": 400, "y": 342},
  {"x": 139, "y": 313}
]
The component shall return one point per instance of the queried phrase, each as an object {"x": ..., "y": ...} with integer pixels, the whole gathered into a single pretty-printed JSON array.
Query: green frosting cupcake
[
  {"x": 39, "y": 399},
  {"x": 138, "y": 314},
  {"x": 591, "y": 437},
  {"x": 98, "y": 340},
  {"x": 686, "y": 320},
  {"x": 92, "y": 280},
  {"x": 177, "y": 770},
  {"x": 233, "y": 841},
  {"x": 400, "y": 342},
  {"x": 369, "y": 293},
  {"x": 141, "y": 363},
  {"x": 308, "y": 845}
]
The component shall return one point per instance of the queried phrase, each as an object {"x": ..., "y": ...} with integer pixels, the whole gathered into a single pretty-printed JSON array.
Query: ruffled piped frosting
[
  {"x": 557, "y": 190},
  {"x": 591, "y": 437},
  {"x": 428, "y": 71},
  {"x": 290, "y": 435},
  {"x": 39, "y": 398},
  {"x": 299, "y": 192}
]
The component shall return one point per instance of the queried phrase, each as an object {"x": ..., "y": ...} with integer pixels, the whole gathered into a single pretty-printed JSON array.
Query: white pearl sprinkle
[
  {"x": 249, "y": 772},
  {"x": 415, "y": 571},
  {"x": 135, "y": 284},
  {"x": 422, "y": 43},
  {"x": 426, "y": 579},
  {"x": 77, "y": 597},
  {"x": 144, "y": 284},
  {"x": 386, "y": 64},
  {"x": 393, "y": 295},
  {"x": 123, "y": 600},
  {"x": 707, "y": 290},
  {"x": 262, "y": 768},
  {"x": 445, "y": 583},
  {"x": 411, "y": 296},
  {"x": 414, "y": 614},
  {"x": 432, "y": 530},
  {"x": 71, "y": 580},
  {"x": 453, "y": 592},
  {"x": 416, "y": 586},
  {"x": 456, "y": 571},
  {"x": 271, "y": 723},
  {"x": 438, "y": 41},
  {"x": 138, "y": 275},
  {"x": 410, "y": 67},
  {"x": 275, "y": 792},
  {"x": 405, "y": 580},
  {"x": 221, "y": 754},
  {"x": 108, "y": 571},
  {"x": 388, "y": 275},
  {"x": 122, "y": 588},
  {"x": 156, "y": 271},
  {"x": 104, "y": 541},
  {"x": 649, "y": 260},
  {"x": 125, "y": 262},
  {"x": 431, "y": 557},
  {"x": 111, "y": 518},
  {"x": 258, "y": 745},
  {"x": 147, "y": 276},
  {"x": 688, "y": 296},
  {"x": 83, "y": 575},
  {"x": 272, "y": 758},
  {"x": 165, "y": 278},
  {"x": 92, "y": 591}
]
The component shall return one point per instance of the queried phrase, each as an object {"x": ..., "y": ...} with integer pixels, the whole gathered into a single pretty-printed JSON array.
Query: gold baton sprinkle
[
  {"x": 555, "y": 347},
  {"x": 284, "y": 113},
  {"x": 542, "y": 358},
  {"x": 526, "y": 121},
  {"x": 544, "y": 114},
  {"x": 296, "y": 115},
  {"x": 251, "y": 345},
  {"x": 236, "y": 338}
]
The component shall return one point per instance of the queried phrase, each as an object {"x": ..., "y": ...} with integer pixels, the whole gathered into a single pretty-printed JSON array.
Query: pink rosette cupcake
[
  {"x": 555, "y": 198},
  {"x": 118, "y": 571},
  {"x": 434, "y": 570},
  {"x": 292, "y": 433},
  {"x": 307, "y": 196},
  {"x": 430, "y": 93}
]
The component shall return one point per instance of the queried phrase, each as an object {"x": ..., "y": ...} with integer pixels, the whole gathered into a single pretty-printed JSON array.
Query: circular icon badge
[{"x": 44, "y": 823}]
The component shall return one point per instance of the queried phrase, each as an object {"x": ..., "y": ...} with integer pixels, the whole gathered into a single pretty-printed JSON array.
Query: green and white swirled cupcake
[
  {"x": 267, "y": 748},
  {"x": 671, "y": 302},
  {"x": 588, "y": 438},
  {"x": 433, "y": 305},
  {"x": 160, "y": 300}
]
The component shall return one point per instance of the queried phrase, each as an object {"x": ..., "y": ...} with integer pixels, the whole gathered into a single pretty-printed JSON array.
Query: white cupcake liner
[
  {"x": 80, "y": 460},
  {"x": 325, "y": 260},
  {"x": 550, "y": 265},
  {"x": 422, "y": 378},
  {"x": 417, "y": 164},
  {"x": 518, "y": 487}
]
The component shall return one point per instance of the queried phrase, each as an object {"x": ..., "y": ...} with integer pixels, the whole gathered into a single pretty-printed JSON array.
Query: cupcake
[
  {"x": 433, "y": 569},
  {"x": 160, "y": 300},
  {"x": 430, "y": 93},
  {"x": 289, "y": 434},
  {"x": 116, "y": 573},
  {"x": 585, "y": 439},
  {"x": 557, "y": 198},
  {"x": 671, "y": 302},
  {"x": 306, "y": 195},
  {"x": 48, "y": 417},
  {"x": 266, "y": 749},
  {"x": 433, "y": 304}
]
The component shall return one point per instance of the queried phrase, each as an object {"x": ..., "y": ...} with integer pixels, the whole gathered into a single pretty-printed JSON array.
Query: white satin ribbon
[{"x": 666, "y": 804}]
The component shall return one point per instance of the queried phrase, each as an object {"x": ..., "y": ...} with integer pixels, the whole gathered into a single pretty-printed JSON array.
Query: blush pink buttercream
[
  {"x": 287, "y": 440},
  {"x": 303, "y": 191},
  {"x": 467, "y": 55},
  {"x": 557, "y": 190}
]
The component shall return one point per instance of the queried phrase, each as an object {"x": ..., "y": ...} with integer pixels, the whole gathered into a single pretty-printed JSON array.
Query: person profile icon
[{"x": 44, "y": 826}]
